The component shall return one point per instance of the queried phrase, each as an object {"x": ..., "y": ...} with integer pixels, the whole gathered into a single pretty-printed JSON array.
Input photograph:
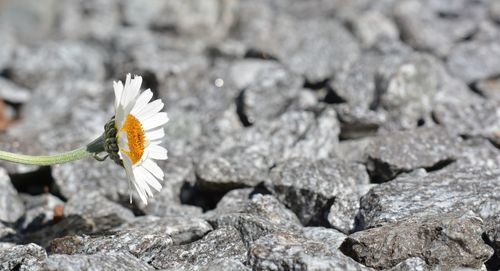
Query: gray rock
[
  {"x": 476, "y": 153},
  {"x": 253, "y": 216},
  {"x": 342, "y": 213},
  {"x": 40, "y": 210},
  {"x": 308, "y": 187},
  {"x": 19, "y": 255},
  {"x": 331, "y": 237},
  {"x": 11, "y": 205},
  {"x": 94, "y": 207},
  {"x": 353, "y": 150},
  {"x": 98, "y": 262},
  {"x": 433, "y": 26},
  {"x": 443, "y": 241},
  {"x": 6, "y": 232},
  {"x": 408, "y": 91},
  {"x": 371, "y": 25},
  {"x": 221, "y": 244},
  {"x": 472, "y": 61},
  {"x": 470, "y": 119},
  {"x": 420, "y": 193},
  {"x": 399, "y": 152},
  {"x": 7, "y": 49},
  {"x": 214, "y": 16},
  {"x": 415, "y": 263},
  {"x": 12, "y": 92},
  {"x": 56, "y": 61},
  {"x": 495, "y": 11},
  {"x": 89, "y": 20},
  {"x": 144, "y": 238},
  {"x": 270, "y": 93},
  {"x": 225, "y": 265},
  {"x": 288, "y": 251}
]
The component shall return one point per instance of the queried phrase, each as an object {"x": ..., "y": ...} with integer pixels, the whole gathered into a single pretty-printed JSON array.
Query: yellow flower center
[{"x": 135, "y": 137}]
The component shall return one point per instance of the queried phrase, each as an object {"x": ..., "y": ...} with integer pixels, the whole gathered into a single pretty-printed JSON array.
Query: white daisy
[{"x": 139, "y": 125}]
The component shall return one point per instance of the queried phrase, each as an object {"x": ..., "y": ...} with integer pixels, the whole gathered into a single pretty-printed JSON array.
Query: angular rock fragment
[
  {"x": 416, "y": 264},
  {"x": 419, "y": 193},
  {"x": 99, "y": 261},
  {"x": 252, "y": 215},
  {"x": 221, "y": 244},
  {"x": 12, "y": 92},
  {"x": 331, "y": 237},
  {"x": 474, "y": 60},
  {"x": 446, "y": 241},
  {"x": 492, "y": 238},
  {"x": 489, "y": 88},
  {"x": 19, "y": 256},
  {"x": 94, "y": 207},
  {"x": 434, "y": 26},
  {"x": 143, "y": 239},
  {"x": 371, "y": 26},
  {"x": 402, "y": 152},
  {"x": 288, "y": 251},
  {"x": 309, "y": 187},
  {"x": 11, "y": 205}
]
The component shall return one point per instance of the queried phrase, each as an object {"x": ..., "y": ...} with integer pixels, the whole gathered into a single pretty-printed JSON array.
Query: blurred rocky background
[{"x": 304, "y": 135}]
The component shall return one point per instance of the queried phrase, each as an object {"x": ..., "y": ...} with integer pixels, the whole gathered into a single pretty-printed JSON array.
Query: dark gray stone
[
  {"x": 6, "y": 232},
  {"x": 288, "y": 251},
  {"x": 420, "y": 193},
  {"x": 390, "y": 155},
  {"x": 221, "y": 244},
  {"x": 18, "y": 256},
  {"x": 474, "y": 60},
  {"x": 94, "y": 207},
  {"x": 99, "y": 261},
  {"x": 446, "y": 241},
  {"x": 309, "y": 187},
  {"x": 11, "y": 205},
  {"x": 492, "y": 238}
]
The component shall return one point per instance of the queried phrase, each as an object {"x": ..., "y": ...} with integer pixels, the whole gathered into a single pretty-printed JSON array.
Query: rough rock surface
[
  {"x": 448, "y": 241},
  {"x": 295, "y": 127}
]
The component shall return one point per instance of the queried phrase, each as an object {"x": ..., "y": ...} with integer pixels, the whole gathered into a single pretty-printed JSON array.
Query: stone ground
[{"x": 304, "y": 135}]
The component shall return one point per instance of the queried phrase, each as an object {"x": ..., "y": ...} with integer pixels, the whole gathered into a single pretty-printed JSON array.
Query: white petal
[
  {"x": 123, "y": 141},
  {"x": 155, "y": 134},
  {"x": 149, "y": 179},
  {"x": 142, "y": 101},
  {"x": 130, "y": 92},
  {"x": 150, "y": 110},
  {"x": 157, "y": 152},
  {"x": 158, "y": 120},
  {"x": 130, "y": 174},
  {"x": 141, "y": 177},
  {"x": 118, "y": 87},
  {"x": 153, "y": 168}
]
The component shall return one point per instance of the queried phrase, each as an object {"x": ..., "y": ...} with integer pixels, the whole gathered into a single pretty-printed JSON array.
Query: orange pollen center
[{"x": 135, "y": 137}]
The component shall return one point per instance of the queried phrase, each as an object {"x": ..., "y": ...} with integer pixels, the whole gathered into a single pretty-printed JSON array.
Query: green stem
[{"x": 92, "y": 148}]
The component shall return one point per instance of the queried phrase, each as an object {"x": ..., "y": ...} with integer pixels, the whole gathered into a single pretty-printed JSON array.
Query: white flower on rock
[{"x": 139, "y": 124}]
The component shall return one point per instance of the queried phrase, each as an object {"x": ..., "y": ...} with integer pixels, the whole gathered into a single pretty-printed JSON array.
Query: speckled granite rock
[
  {"x": 445, "y": 240},
  {"x": 401, "y": 152},
  {"x": 309, "y": 187},
  {"x": 420, "y": 193},
  {"x": 99, "y": 261},
  {"x": 19, "y": 256}
]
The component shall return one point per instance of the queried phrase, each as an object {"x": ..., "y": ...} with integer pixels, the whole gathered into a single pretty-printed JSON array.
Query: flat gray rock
[
  {"x": 446, "y": 241},
  {"x": 419, "y": 193},
  {"x": 93, "y": 206},
  {"x": 11, "y": 205},
  {"x": 309, "y": 187},
  {"x": 18, "y": 256},
  {"x": 99, "y": 262},
  {"x": 399, "y": 152},
  {"x": 144, "y": 238},
  {"x": 221, "y": 244},
  {"x": 472, "y": 61},
  {"x": 288, "y": 251}
]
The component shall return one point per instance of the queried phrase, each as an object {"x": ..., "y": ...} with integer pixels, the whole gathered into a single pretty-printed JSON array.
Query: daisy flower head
[{"x": 134, "y": 135}]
